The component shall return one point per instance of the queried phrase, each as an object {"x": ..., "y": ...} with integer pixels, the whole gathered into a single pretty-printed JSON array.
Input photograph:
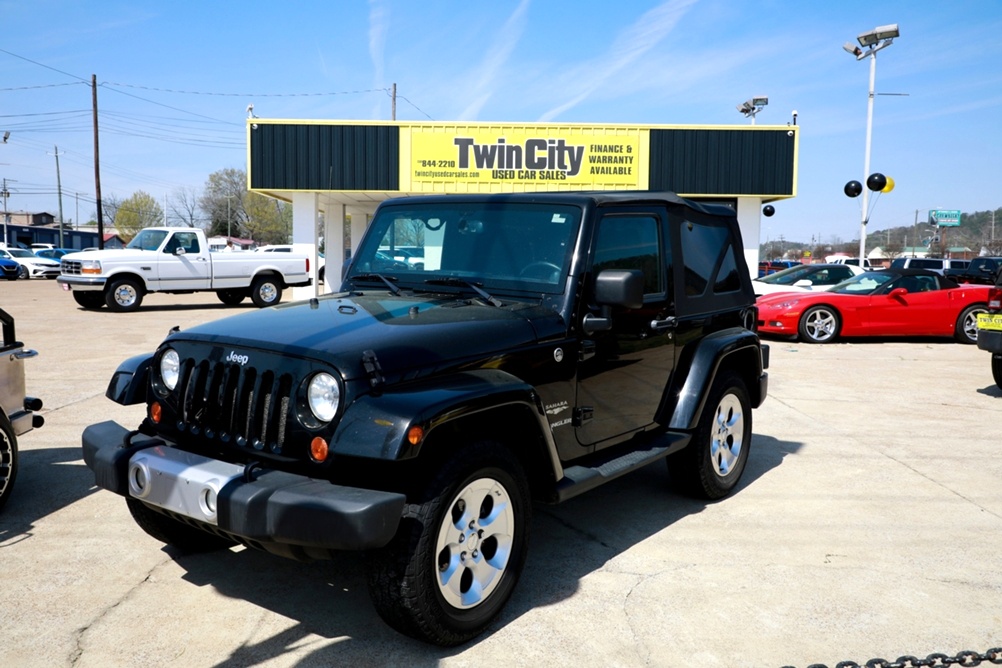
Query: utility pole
[
  {"x": 59, "y": 190},
  {"x": 393, "y": 108},
  {"x": 6, "y": 218},
  {"x": 97, "y": 166}
]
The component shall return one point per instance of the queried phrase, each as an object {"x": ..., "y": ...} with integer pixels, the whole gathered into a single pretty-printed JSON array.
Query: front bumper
[
  {"x": 283, "y": 513},
  {"x": 69, "y": 282}
]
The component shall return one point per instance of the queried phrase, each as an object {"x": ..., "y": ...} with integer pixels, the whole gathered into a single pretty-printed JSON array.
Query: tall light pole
[
  {"x": 869, "y": 44},
  {"x": 751, "y": 107}
]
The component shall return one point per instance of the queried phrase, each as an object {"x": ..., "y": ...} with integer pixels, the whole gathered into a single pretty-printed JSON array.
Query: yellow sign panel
[{"x": 533, "y": 156}]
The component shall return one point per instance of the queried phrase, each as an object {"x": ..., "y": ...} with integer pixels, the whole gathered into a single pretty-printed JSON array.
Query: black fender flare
[
  {"x": 376, "y": 425},
  {"x": 128, "y": 384},
  {"x": 735, "y": 344}
]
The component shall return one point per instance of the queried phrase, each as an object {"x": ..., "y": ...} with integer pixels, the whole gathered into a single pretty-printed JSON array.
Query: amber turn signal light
[
  {"x": 414, "y": 435},
  {"x": 318, "y": 449},
  {"x": 156, "y": 412}
]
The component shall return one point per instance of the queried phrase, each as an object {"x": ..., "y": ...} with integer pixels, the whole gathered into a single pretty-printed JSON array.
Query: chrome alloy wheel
[
  {"x": 820, "y": 325},
  {"x": 267, "y": 292},
  {"x": 474, "y": 543},
  {"x": 125, "y": 295},
  {"x": 727, "y": 437},
  {"x": 970, "y": 323}
]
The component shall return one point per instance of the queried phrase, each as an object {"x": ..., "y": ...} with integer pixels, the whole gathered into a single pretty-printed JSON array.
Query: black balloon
[
  {"x": 876, "y": 182},
  {"x": 853, "y": 188},
  {"x": 768, "y": 210}
]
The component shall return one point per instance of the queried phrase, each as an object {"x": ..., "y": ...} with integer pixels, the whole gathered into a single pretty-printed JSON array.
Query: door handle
[{"x": 662, "y": 325}]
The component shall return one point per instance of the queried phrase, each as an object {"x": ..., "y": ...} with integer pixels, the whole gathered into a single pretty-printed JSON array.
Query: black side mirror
[{"x": 614, "y": 287}]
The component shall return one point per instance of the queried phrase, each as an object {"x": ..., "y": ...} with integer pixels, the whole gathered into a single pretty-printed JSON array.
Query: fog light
[
  {"x": 207, "y": 502},
  {"x": 139, "y": 479}
]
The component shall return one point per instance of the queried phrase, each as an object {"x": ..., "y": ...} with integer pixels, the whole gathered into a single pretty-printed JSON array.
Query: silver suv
[{"x": 936, "y": 264}]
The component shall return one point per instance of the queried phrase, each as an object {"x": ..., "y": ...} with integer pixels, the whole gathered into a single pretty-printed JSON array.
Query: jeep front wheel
[
  {"x": 459, "y": 550},
  {"x": 8, "y": 459},
  {"x": 711, "y": 465}
]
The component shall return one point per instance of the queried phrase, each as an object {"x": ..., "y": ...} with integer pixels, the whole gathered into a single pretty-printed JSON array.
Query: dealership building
[{"x": 342, "y": 170}]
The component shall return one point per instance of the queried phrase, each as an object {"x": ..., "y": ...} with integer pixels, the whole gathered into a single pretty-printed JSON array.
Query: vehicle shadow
[
  {"x": 991, "y": 391},
  {"x": 568, "y": 542},
  {"x": 172, "y": 307},
  {"x": 48, "y": 479}
]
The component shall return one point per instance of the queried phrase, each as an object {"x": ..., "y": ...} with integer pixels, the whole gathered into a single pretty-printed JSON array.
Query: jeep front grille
[{"x": 233, "y": 404}]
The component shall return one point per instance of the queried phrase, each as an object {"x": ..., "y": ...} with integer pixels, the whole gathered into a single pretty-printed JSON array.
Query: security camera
[
  {"x": 789, "y": 133},
  {"x": 794, "y": 116}
]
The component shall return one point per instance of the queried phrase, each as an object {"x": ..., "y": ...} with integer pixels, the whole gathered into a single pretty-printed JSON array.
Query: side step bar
[{"x": 582, "y": 478}]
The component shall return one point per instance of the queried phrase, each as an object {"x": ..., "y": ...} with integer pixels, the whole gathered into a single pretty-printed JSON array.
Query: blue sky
[{"x": 175, "y": 78}]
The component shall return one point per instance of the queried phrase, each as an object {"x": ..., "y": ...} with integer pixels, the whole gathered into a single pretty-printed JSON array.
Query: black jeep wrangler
[{"x": 542, "y": 344}]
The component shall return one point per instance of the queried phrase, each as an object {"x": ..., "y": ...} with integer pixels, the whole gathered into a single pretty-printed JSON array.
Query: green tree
[
  {"x": 136, "y": 212},
  {"x": 223, "y": 201},
  {"x": 269, "y": 221}
]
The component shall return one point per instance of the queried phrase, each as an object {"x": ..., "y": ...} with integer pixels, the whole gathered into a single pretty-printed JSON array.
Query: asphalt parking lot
[{"x": 868, "y": 524}]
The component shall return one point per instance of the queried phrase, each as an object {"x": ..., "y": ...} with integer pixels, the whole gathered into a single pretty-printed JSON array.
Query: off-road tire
[
  {"x": 997, "y": 370},
  {"x": 185, "y": 538},
  {"x": 452, "y": 527},
  {"x": 124, "y": 295},
  {"x": 8, "y": 459},
  {"x": 266, "y": 291},
  {"x": 712, "y": 464}
]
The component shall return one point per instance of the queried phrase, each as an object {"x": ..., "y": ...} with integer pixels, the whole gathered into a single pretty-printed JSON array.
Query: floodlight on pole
[
  {"x": 871, "y": 42},
  {"x": 752, "y": 106}
]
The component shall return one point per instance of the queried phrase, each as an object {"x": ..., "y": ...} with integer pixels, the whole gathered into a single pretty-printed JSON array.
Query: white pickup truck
[{"x": 177, "y": 260}]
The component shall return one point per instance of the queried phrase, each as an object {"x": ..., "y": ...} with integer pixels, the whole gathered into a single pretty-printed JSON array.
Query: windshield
[
  {"x": 148, "y": 240},
  {"x": 20, "y": 252},
  {"x": 788, "y": 276},
  {"x": 494, "y": 245},
  {"x": 865, "y": 283}
]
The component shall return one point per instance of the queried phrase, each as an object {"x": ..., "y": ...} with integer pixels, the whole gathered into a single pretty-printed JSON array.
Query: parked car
[
  {"x": 888, "y": 302},
  {"x": 936, "y": 264},
  {"x": 844, "y": 259},
  {"x": 32, "y": 266},
  {"x": 990, "y": 328},
  {"x": 805, "y": 277},
  {"x": 17, "y": 411},
  {"x": 983, "y": 270},
  {"x": 304, "y": 248},
  {"x": 9, "y": 269},
  {"x": 772, "y": 266},
  {"x": 54, "y": 253}
]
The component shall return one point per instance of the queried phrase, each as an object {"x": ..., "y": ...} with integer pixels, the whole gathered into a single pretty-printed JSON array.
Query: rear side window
[
  {"x": 708, "y": 260},
  {"x": 631, "y": 242}
]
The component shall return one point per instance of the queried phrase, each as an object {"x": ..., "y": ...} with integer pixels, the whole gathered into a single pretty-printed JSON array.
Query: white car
[
  {"x": 804, "y": 278},
  {"x": 296, "y": 248},
  {"x": 32, "y": 266}
]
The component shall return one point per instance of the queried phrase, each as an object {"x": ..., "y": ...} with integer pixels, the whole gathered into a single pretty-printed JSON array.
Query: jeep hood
[{"x": 405, "y": 332}]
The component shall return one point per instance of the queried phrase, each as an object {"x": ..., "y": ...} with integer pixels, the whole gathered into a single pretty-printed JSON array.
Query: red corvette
[{"x": 889, "y": 302}]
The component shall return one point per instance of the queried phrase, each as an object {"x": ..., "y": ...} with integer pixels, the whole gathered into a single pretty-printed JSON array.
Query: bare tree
[{"x": 183, "y": 205}]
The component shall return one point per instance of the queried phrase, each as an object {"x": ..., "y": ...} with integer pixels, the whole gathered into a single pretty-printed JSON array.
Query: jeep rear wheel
[
  {"x": 711, "y": 465},
  {"x": 459, "y": 550},
  {"x": 997, "y": 370},
  {"x": 166, "y": 530},
  {"x": 8, "y": 459}
]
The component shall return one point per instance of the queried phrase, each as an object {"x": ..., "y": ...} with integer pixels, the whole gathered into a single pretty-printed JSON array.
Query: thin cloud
[
  {"x": 628, "y": 48},
  {"x": 378, "y": 26},
  {"x": 504, "y": 43}
]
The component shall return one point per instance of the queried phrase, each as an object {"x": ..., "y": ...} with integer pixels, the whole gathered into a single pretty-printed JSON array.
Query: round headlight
[
  {"x": 170, "y": 368},
  {"x": 324, "y": 395}
]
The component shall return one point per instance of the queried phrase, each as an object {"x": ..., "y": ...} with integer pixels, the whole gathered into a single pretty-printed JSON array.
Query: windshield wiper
[
  {"x": 389, "y": 283},
  {"x": 461, "y": 282}
]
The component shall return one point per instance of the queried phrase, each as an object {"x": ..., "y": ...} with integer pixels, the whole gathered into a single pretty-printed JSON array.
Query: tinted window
[
  {"x": 708, "y": 259},
  {"x": 631, "y": 242}
]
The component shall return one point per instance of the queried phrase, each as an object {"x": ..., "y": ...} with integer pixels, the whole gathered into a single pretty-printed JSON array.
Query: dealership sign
[{"x": 944, "y": 218}]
